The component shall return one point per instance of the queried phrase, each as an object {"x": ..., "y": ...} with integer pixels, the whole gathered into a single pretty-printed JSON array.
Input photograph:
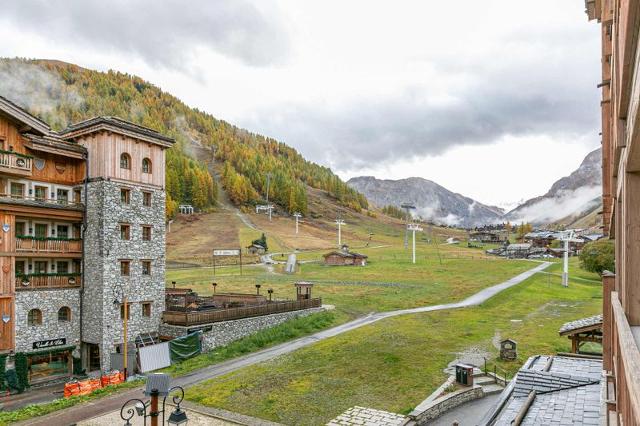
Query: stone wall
[
  {"x": 222, "y": 333},
  {"x": 445, "y": 403},
  {"x": 103, "y": 251},
  {"x": 48, "y": 302}
]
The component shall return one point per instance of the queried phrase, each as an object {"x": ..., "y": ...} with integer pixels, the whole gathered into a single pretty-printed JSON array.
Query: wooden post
[
  {"x": 608, "y": 282},
  {"x": 630, "y": 267},
  {"x": 154, "y": 408}
]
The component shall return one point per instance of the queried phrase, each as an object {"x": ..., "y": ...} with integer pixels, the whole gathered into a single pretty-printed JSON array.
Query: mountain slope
[
  {"x": 568, "y": 199},
  {"x": 62, "y": 93},
  {"x": 433, "y": 202}
]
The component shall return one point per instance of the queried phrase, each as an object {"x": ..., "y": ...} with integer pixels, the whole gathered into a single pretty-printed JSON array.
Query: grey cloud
[
  {"x": 163, "y": 33},
  {"x": 509, "y": 101}
]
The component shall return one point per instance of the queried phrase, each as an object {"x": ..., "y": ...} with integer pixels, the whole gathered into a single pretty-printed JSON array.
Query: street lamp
[
  {"x": 258, "y": 289},
  {"x": 270, "y": 291},
  {"x": 149, "y": 409},
  {"x": 214, "y": 285}
]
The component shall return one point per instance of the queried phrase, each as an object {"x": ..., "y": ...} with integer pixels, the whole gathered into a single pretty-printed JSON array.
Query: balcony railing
[
  {"x": 31, "y": 244},
  {"x": 14, "y": 162},
  {"x": 47, "y": 281},
  {"x": 39, "y": 202},
  {"x": 206, "y": 317},
  {"x": 626, "y": 365}
]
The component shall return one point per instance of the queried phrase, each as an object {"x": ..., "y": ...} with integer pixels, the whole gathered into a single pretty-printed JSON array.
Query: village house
[
  {"x": 487, "y": 237},
  {"x": 83, "y": 225},
  {"x": 256, "y": 249},
  {"x": 345, "y": 257}
]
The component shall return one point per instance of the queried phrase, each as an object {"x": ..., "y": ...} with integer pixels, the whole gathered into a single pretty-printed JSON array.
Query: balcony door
[
  {"x": 17, "y": 190},
  {"x": 42, "y": 230},
  {"x": 62, "y": 195},
  {"x": 40, "y": 266},
  {"x": 41, "y": 192},
  {"x": 63, "y": 231}
]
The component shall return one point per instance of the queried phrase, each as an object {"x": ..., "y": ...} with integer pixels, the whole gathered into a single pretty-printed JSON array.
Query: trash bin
[{"x": 464, "y": 374}]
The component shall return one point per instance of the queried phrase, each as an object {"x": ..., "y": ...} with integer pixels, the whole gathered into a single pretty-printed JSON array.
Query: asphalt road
[{"x": 105, "y": 405}]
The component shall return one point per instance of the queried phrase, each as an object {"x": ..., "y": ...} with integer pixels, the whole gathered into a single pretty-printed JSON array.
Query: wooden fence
[{"x": 206, "y": 317}]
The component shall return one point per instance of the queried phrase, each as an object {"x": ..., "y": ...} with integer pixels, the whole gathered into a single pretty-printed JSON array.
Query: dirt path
[{"x": 83, "y": 411}]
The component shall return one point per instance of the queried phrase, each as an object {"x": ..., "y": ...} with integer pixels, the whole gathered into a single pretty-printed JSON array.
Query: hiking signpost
[{"x": 226, "y": 253}]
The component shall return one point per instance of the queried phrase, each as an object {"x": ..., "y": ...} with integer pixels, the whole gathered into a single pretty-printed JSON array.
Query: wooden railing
[
  {"x": 13, "y": 160},
  {"x": 206, "y": 317},
  {"x": 46, "y": 202},
  {"x": 626, "y": 365},
  {"x": 48, "y": 245},
  {"x": 30, "y": 282}
]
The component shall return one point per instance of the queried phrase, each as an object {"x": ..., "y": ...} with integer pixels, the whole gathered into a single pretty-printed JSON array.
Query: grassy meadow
[{"x": 395, "y": 363}]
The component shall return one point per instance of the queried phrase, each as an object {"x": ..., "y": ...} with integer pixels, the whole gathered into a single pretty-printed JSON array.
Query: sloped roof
[
  {"x": 22, "y": 115},
  {"x": 345, "y": 254},
  {"x": 581, "y": 324},
  {"x": 116, "y": 125}
]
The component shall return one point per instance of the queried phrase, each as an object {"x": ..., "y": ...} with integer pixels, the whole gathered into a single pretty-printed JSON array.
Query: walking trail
[{"x": 105, "y": 405}]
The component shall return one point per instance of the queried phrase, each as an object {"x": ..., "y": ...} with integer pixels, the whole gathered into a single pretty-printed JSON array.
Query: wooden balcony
[
  {"x": 48, "y": 281},
  {"x": 624, "y": 358},
  {"x": 16, "y": 164},
  {"x": 217, "y": 315},
  {"x": 26, "y": 244},
  {"x": 24, "y": 200}
]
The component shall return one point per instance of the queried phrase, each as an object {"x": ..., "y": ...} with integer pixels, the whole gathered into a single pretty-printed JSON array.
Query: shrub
[{"x": 598, "y": 256}]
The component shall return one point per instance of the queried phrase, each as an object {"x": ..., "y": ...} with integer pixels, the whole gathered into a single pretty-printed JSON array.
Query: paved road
[{"x": 105, "y": 405}]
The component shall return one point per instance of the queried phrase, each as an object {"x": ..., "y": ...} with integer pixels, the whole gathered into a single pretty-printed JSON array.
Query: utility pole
[
  {"x": 413, "y": 227},
  {"x": 407, "y": 208},
  {"x": 340, "y": 222},
  {"x": 297, "y": 216}
]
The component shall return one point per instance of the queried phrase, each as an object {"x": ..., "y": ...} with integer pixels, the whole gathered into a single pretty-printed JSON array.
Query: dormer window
[
  {"x": 125, "y": 161},
  {"x": 146, "y": 165}
]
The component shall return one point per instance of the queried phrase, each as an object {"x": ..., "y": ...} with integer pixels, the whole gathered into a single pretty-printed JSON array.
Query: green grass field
[{"x": 396, "y": 363}]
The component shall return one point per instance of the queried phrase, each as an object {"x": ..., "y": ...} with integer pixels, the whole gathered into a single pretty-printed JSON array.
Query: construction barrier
[{"x": 87, "y": 386}]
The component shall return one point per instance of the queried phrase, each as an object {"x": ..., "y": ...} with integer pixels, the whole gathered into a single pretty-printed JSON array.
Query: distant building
[
  {"x": 518, "y": 251},
  {"x": 486, "y": 237},
  {"x": 345, "y": 257},
  {"x": 541, "y": 238},
  {"x": 256, "y": 249}
]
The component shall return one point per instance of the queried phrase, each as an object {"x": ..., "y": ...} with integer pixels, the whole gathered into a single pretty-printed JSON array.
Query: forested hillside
[{"x": 62, "y": 93}]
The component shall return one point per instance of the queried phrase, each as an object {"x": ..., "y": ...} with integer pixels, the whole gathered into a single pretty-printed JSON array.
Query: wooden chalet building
[{"x": 344, "y": 257}]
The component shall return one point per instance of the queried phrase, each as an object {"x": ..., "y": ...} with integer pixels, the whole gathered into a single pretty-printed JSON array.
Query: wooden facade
[{"x": 620, "y": 33}]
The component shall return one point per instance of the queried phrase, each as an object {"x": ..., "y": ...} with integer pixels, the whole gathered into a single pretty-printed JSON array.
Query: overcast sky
[{"x": 492, "y": 99}]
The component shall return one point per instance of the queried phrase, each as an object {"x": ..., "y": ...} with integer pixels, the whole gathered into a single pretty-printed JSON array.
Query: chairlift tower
[
  {"x": 297, "y": 215},
  {"x": 407, "y": 208},
  {"x": 269, "y": 206},
  {"x": 413, "y": 227},
  {"x": 567, "y": 236},
  {"x": 340, "y": 222}
]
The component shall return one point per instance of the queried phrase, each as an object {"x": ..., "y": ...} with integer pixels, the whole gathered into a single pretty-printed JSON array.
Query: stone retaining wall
[
  {"x": 222, "y": 333},
  {"x": 446, "y": 403}
]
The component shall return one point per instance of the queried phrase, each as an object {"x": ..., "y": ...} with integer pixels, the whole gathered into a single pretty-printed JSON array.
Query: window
[
  {"x": 41, "y": 193},
  {"x": 146, "y": 233},
  {"x": 63, "y": 231},
  {"x": 34, "y": 317},
  {"x": 146, "y": 165},
  {"x": 128, "y": 311},
  {"x": 62, "y": 267},
  {"x": 146, "y": 267},
  {"x": 146, "y": 199},
  {"x": 17, "y": 190},
  {"x": 20, "y": 228},
  {"x": 125, "y": 268},
  {"x": 77, "y": 196},
  {"x": 125, "y": 196},
  {"x": 41, "y": 267},
  {"x": 42, "y": 230},
  {"x": 125, "y": 232},
  {"x": 20, "y": 267},
  {"x": 64, "y": 314},
  {"x": 62, "y": 195},
  {"x": 146, "y": 309},
  {"x": 125, "y": 161}
]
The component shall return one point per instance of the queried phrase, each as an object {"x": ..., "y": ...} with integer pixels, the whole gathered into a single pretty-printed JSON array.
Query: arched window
[
  {"x": 125, "y": 161},
  {"x": 146, "y": 165},
  {"x": 64, "y": 314},
  {"x": 35, "y": 317}
]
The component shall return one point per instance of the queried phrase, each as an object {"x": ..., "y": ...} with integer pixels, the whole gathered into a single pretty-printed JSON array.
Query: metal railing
[
  {"x": 206, "y": 317},
  {"x": 44, "y": 281},
  {"x": 48, "y": 245},
  {"x": 13, "y": 160}
]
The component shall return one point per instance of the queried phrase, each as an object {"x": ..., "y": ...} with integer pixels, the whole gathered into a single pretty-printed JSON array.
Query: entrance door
[
  {"x": 42, "y": 230},
  {"x": 94, "y": 356},
  {"x": 6, "y": 327}
]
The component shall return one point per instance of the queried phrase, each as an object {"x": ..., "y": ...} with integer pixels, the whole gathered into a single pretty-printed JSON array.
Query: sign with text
[
  {"x": 43, "y": 344},
  {"x": 227, "y": 252}
]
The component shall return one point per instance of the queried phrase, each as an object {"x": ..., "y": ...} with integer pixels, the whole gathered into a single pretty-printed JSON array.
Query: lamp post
[
  {"x": 135, "y": 406},
  {"x": 258, "y": 289},
  {"x": 214, "y": 285},
  {"x": 270, "y": 291},
  {"x": 125, "y": 304}
]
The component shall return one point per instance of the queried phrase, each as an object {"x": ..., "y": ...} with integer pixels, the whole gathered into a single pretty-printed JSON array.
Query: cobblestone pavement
[{"x": 367, "y": 417}]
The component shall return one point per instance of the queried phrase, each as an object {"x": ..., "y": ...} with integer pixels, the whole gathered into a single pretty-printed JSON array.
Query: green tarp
[{"x": 185, "y": 347}]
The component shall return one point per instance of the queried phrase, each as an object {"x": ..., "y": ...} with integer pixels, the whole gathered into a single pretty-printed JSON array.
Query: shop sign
[{"x": 43, "y": 344}]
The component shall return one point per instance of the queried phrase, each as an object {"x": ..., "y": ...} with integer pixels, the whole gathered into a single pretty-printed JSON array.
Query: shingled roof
[
  {"x": 116, "y": 125},
  {"x": 583, "y": 324}
]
